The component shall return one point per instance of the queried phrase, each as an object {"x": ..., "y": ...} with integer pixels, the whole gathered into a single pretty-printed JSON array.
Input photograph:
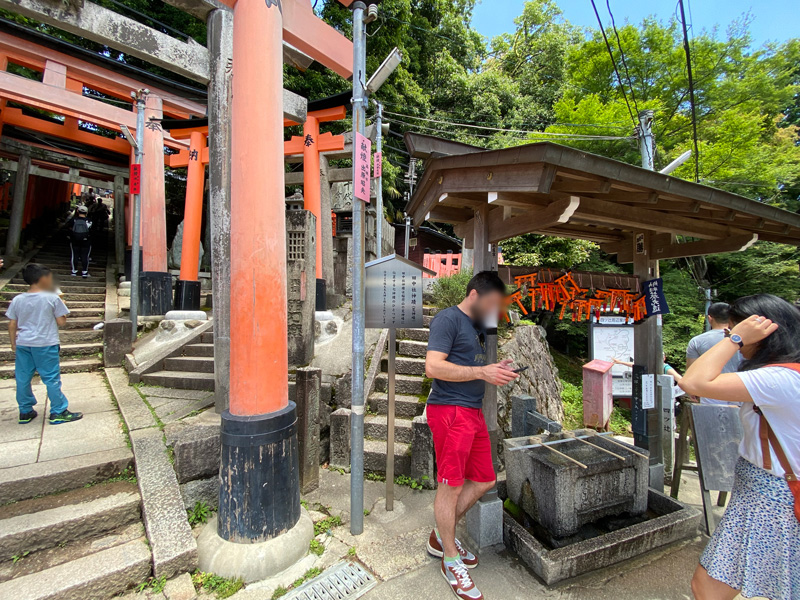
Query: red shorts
[{"x": 461, "y": 440}]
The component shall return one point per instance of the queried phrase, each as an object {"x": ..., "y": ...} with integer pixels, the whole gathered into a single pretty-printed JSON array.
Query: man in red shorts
[{"x": 456, "y": 361}]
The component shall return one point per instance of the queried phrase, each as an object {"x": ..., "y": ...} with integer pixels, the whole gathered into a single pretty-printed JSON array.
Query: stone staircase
[
  {"x": 81, "y": 345},
  {"x": 411, "y": 390},
  {"x": 191, "y": 369},
  {"x": 85, "y": 544}
]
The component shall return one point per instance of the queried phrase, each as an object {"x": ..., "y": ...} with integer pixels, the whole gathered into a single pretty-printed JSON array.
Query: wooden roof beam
[
  {"x": 592, "y": 210},
  {"x": 448, "y": 214},
  {"x": 559, "y": 212},
  {"x": 575, "y": 186},
  {"x": 662, "y": 250}
]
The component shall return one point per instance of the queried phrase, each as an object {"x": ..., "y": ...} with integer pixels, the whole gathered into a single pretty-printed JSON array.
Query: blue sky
[{"x": 493, "y": 17}]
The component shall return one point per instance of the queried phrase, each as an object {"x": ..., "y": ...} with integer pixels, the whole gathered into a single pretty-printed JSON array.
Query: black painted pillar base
[
  {"x": 155, "y": 293},
  {"x": 322, "y": 295},
  {"x": 259, "y": 493},
  {"x": 187, "y": 295}
]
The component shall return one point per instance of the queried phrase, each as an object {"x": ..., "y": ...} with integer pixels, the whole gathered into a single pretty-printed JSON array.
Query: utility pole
[
  {"x": 411, "y": 180},
  {"x": 137, "y": 216},
  {"x": 379, "y": 191},
  {"x": 646, "y": 145},
  {"x": 357, "y": 401}
]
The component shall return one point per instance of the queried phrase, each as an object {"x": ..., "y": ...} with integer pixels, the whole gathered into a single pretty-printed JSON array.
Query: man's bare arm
[
  {"x": 438, "y": 367},
  {"x": 61, "y": 321}
]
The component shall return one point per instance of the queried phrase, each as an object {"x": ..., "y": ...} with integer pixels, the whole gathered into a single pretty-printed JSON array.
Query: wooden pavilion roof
[{"x": 550, "y": 189}]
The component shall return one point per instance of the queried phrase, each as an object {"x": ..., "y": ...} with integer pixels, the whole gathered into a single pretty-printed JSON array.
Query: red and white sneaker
[
  {"x": 460, "y": 582},
  {"x": 435, "y": 549}
]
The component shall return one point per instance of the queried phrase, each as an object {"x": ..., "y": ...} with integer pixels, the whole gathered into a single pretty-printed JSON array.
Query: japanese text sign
[
  {"x": 378, "y": 168},
  {"x": 361, "y": 169},
  {"x": 393, "y": 293},
  {"x": 654, "y": 298},
  {"x": 135, "y": 184}
]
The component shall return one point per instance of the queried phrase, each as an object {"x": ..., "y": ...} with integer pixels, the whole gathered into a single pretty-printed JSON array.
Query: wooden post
[
  {"x": 154, "y": 216},
  {"x": 18, "y": 204},
  {"x": 119, "y": 219},
  {"x": 220, "y": 44}
]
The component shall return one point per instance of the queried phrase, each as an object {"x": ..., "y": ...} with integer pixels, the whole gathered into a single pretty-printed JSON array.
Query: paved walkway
[{"x": 38, "y": 441}]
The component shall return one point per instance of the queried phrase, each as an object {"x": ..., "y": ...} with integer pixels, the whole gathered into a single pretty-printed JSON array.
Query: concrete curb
[
  {"x": 135, "y": 412},
  {"x": 154, "y": 363},
  {"x": 171, "y": 540}
]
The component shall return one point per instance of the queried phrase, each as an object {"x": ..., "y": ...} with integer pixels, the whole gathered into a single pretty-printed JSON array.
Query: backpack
[
  {"x": 768, "y": 439},
  {"x": 80, "y": 228}
]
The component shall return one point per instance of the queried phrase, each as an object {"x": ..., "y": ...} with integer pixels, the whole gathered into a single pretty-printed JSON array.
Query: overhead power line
[
  {"x": 622, "y": 56},
  {"x": 691, "y": 92},
  {"x": 502, "y": 130},
  {"x": 614, "y": 63}
]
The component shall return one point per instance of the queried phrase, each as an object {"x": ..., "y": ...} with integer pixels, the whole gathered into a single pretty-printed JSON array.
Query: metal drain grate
[{"x": 345, "y": 581}]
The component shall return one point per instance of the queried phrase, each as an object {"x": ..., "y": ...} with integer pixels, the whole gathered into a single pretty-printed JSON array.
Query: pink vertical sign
[
  {"x": 361, "y": 170},
  {"x": 377, "y": 170}
]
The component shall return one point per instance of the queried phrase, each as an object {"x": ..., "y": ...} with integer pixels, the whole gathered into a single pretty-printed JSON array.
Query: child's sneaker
[
  {"x": 27, "y": 417},
  {"x": 65, "y": 417}
]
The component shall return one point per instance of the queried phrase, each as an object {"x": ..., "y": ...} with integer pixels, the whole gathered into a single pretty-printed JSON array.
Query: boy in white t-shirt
[{"x": 34, "y": 318}]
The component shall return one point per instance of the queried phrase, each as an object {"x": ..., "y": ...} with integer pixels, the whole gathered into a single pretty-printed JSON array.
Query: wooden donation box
[{"x": 598, "y": 401}]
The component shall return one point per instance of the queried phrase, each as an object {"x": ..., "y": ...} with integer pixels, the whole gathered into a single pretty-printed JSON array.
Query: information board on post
[{"x": 393, "y": 293}]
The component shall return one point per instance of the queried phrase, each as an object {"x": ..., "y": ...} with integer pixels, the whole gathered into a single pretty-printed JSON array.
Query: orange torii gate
[{"x": 310, "y": 145}]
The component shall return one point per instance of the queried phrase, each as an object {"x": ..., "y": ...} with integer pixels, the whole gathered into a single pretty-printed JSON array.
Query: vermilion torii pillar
[
  {"x": 259, "y": 496},
  {"x": 187, "y": 290},
  {"x": 311, "y": 144}
]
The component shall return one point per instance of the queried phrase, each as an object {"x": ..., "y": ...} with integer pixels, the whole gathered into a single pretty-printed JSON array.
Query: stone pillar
[
  {"x": 116, "y": 341},
  {"x": 220, "y": 44},
  {"x": 423, "y": 456},
  {"x": 326, "y": 224},
  {"x": 340, "y": 438},
  {"x": 119, "y": 219},
  {"x": 307, "y": 386},
  {"x": 18, "y": 204},
  {"x": 153, "y": 219},
  {"x": 301, "y": 285}
]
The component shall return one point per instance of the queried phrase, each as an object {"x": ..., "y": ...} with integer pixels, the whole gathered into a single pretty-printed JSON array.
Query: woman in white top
[{"x": 756, "y": 548}]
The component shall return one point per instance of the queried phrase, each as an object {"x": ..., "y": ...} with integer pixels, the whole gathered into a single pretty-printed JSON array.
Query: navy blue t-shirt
[{"x": 464, "y": 342}]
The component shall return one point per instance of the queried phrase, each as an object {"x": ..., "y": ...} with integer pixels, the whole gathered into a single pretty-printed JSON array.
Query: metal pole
[
  {"x": 379, "y": 191},
  {"x": 646, "y": 146},
  {"x": 708, "y": 305},
  {"x": 137, "y": 215},
  {"x": 408, "y": 235},
  {"x": 390, "y": 421},
  {"x": 357, "y": 400}
]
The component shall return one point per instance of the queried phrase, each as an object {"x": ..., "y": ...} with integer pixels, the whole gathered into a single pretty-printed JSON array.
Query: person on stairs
[
  {"x": 34, "y": 319},
  {"x": 80, "y": 242}
]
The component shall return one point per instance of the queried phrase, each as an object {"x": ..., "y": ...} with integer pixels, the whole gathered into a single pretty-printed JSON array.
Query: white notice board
[{"x": 614, "y": 341}]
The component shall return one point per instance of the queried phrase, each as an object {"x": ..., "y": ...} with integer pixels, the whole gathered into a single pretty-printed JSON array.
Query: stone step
[
  {"x": 66, "y": 350},
  {"x": 85, "y": 307},
  {"x": 196, "y": 364},
  {"x": 69, "y": 297},
  {"x": 67, "y": 289},
  {"x": 73, "y": 322},
  {"x": 375, "y": 457},
  {"x": 69, "y": 551},
  {"x": 68, "y": 336},
  {"x": 199, "y": 350},
  {"x": 207, "y": 337},
  {"x": 32, "y": 531},
  {"x": 405, "y": 407},
  {"x": 403, "y": 384},
  {"x": 405, "y": 365},
  {"x": 180, "y": 380},
  {"x": 377, "y": 428},
  {"x": 68, "y": 365},
  {"x": 426, "y": 320},
  {"x": 417, "y": 335},
  {"x": 412, "y": 348},
  {"x": 72, "y": 472},
  {"x": 72, "y": 282},
  {"x": 95, "y": 577},
  {"x": 429, "y": 310}
]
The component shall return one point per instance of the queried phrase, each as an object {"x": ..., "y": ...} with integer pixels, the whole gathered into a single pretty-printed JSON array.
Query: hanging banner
[
  {"x": 377, "y": 171},
  {"x": 361, "y": 170},
  {"x": 135, "y": 183},
  {"x": 654, "y": 299}
]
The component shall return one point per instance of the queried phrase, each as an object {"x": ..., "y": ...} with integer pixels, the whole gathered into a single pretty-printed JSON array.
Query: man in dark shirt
[{"x": 456, "y": 361}]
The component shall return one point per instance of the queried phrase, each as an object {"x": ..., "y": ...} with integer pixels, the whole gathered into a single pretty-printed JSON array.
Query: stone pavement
[
  {"x": 393, "y": 547},
  {"x": 99, "y": 430}
]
